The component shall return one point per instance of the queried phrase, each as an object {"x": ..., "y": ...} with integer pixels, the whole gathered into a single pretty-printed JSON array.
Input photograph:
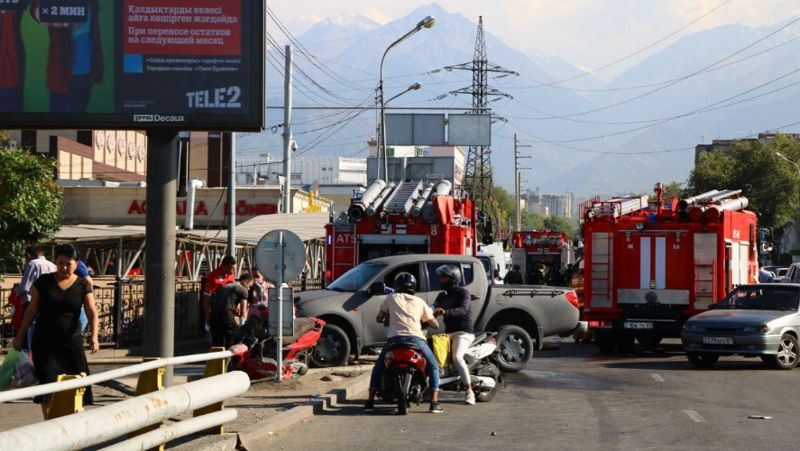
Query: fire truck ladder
[
  {"x": 402, "y": 199},
  {"x": 620, "y": 206}
]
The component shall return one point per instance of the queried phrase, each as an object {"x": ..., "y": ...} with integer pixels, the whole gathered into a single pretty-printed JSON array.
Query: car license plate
[
  {"x": 637, "y": 325},
  {"x": 718, "y": 340}
]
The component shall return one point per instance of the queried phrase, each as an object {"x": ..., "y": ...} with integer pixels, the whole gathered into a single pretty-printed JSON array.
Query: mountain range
[{"x": 588, "y": 135}]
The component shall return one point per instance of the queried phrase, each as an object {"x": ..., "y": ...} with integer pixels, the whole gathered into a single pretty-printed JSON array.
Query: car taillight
[
  {"x": 572, "y": 298},
  {"x": 599, "y": 325}
]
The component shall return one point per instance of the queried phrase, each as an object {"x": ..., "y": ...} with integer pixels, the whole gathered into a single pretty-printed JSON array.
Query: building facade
[{"x": 559, "y": 205}]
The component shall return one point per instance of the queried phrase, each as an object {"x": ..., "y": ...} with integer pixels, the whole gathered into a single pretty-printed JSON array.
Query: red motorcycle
[
  {"x": 255, "y": 353},
  {"x": 404, "y": 380}
]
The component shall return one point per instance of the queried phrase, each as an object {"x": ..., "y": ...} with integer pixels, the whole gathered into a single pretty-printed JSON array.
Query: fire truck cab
[
  {"x": 409, "y": 217},
  {"x": 649, "y": 266},
  {"x": 541, "y": 246}
]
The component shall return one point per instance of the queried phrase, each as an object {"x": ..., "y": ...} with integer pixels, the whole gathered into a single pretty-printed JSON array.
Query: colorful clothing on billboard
[{"x": 12, "y": 61}]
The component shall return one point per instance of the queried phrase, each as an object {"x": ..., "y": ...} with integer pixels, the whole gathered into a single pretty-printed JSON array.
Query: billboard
[{"x": 132, "y": 64}]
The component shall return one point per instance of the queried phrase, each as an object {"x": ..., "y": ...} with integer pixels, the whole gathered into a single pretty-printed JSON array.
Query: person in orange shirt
[{"x": 216, "y": 279}]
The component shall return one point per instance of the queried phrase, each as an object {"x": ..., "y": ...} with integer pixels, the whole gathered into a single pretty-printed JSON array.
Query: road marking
[
  {"x": 657, "y": 377},
  {"x": 694, "y": 416}
]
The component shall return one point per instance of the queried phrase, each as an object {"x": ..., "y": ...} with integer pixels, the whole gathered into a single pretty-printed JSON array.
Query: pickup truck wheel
[
  {"x": 514, "y": 348},
  {"x": 625, "y": 343},
  {"x": 332, "y": 349}
]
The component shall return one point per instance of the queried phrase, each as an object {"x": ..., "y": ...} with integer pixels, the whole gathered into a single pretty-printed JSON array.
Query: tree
[
  {"x": 768, "y": 182},
  {"x": 559, "y": 224},
  {"x": 30, "y": 203}
]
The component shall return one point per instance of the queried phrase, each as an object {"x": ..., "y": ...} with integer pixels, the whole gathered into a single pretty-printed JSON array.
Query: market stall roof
[{"x": 308, "y": 226}]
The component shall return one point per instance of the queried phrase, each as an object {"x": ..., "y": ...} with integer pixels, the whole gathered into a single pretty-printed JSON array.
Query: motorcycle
[
  {"x": 255, "y": 353},
  {"x": 485, "y": 375},
  {"x": 405, "y": 380}
]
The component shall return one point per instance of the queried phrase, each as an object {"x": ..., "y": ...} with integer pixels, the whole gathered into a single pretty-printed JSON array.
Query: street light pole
[{"x": 427, "y": 22}]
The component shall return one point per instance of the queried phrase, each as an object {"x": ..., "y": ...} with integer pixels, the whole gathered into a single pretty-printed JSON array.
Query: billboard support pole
[
  {"x": 232, "y": 198},
  {"x": 159, "y": 286},
  {"x": 287, "y": 133}
]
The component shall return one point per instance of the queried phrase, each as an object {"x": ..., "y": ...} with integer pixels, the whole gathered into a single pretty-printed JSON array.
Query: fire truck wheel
[
  {"x": 604, "y": 342},
  {"x": 702, "y": 359},
  {"x": 332, "y": 349},
  {"x": 787, "y": 356},
  {"x": 625, "y": 343},
  {"x": 515, "y": 348}
]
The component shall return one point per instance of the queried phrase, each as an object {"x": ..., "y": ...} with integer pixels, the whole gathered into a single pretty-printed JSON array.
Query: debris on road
[{"x": 759, "y": 417}]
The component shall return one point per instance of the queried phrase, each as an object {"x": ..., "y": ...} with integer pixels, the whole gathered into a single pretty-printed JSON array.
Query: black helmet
[
  {"x": 405, "y": 283},
  {"x": 451, "y": 272}
]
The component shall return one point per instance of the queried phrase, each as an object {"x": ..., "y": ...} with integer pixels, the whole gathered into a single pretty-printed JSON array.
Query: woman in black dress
[{"x": 57, "y": 345}]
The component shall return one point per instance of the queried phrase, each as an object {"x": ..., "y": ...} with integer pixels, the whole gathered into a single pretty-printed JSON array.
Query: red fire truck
[
  {"x": 553, "y": 249},
  {"x": 410, "y": 217},
  {"x": 651, "y": 265}
]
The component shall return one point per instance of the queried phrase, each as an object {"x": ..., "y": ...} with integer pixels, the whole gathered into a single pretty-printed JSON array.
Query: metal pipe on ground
[
  {"x": 92, "y": 427},
  {"x": 174, "y": 431}
]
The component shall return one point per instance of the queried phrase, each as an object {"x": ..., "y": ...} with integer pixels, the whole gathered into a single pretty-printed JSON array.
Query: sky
[{"x": 586, "y": 33}]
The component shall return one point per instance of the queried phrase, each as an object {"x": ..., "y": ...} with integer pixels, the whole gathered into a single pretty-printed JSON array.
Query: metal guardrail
[{"x": 72, "y": 428}]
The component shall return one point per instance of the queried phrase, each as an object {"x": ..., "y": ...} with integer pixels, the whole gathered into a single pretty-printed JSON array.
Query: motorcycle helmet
[
  {"x": 405, "y": 283},
  {"x": 451, "y": 272}
]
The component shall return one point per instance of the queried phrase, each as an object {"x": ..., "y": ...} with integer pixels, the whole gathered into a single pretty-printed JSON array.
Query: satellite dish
[{"x": 268, "y": 255}]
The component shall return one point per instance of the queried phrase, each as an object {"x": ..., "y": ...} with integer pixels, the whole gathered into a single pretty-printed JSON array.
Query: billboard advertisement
[{"x": 132, "y": 64}]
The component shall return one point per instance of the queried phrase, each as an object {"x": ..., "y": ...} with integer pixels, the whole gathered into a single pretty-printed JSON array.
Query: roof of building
[{"x": 308, "y": 226}]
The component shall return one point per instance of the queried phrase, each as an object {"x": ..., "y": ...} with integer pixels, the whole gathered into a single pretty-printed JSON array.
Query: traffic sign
[{"x": 268, "y": 250}]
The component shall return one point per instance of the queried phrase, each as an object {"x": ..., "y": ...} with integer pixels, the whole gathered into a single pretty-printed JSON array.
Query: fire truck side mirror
[{"x": 376, "y": 288}]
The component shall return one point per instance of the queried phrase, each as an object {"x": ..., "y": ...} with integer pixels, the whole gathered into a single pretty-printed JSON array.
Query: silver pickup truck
[{"x": 521, "y": 314}]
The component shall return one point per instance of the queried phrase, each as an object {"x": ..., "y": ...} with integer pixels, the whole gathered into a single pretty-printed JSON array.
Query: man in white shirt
[
  {"x": 406, "y": 314},
  {"x": 37, "y": 265}
]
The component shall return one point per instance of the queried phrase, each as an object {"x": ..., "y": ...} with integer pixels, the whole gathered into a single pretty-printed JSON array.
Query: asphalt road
[{"x": 575, "y": 398}]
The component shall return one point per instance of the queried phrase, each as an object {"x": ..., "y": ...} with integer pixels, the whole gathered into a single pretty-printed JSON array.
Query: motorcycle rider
[
  {"x": 407, "y": 313},
  {"x": 455, "y": 304}
]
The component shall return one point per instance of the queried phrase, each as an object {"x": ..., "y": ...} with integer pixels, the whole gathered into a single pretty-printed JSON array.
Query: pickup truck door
[
  {"x": 472, "y": 278},
  {"x": 375, "y": 332}
]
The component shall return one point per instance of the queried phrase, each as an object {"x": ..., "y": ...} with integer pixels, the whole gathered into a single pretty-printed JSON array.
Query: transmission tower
[{"x": 478, "y": 177}]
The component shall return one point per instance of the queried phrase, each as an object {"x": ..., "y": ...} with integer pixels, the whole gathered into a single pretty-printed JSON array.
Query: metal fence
[{"x": 120, "y": 308}]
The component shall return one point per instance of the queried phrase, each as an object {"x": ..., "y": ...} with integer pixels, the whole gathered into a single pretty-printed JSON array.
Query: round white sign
[{"x": 268, "y": 250}]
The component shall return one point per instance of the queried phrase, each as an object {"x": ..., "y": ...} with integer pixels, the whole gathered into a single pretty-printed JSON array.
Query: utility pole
[
  {"x": 287, "y": 133},
  {"x": 517, "y": 182},
  {"x": 232, "y": 197}
]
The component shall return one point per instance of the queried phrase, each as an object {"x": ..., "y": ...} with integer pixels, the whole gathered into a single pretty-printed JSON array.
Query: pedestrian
[
  {"x": 259, "y": 292},
  {"x": 537, "y": 275},
  {"x": 57, "y": 343},
  {"x": 496, "y": 279},
  {"x": 223, "y": 275},
  {"x": 455, "y": 305},
  {"x": 407, "y": 313},
  {"x": 514, "y": 277},
  {"x": 37, "y": 266},
  {"x": 82, "y": 271},
  {"x": 228, "y": 304}
]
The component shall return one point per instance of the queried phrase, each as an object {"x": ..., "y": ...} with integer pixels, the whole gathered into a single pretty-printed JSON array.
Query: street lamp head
[
  {"x": 427, "y": 22},
  {"x": 414, "y": 87},
  {"x": 778, "y": 154}
]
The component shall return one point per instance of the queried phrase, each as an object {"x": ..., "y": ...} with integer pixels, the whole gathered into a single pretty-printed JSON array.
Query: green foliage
[
  {"x": 674, "y": 189},
  {"x": 559, "y": 224},
  {"x": 769, "y": 182},
  {"x": 30, "y": 203}
]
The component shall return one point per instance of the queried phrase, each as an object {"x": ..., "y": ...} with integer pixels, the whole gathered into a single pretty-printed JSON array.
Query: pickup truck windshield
[
  {"x": 763, "y": 297},
  {"x": 356, "y": 278}
]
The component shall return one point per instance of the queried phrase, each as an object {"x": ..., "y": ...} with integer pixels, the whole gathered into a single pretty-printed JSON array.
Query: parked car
[
  {"x": 753, "y": 320},
  {"x": 522, "y": 315},
  {"x": 780, "y": 274}
]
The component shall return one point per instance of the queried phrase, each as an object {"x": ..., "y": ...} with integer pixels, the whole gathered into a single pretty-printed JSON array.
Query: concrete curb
[{"x": 257, "y": 432}]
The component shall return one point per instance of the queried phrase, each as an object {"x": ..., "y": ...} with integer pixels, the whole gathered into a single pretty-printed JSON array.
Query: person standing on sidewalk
[
  {"x": 224, "y": 274},
  {"x": 57, "y": 343},
  {"x": 37, "y": 266},
  {"x": 228, "y": 303},
  {"x": 455, "y": 304},
  {"x": 406, "y": 314}
]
